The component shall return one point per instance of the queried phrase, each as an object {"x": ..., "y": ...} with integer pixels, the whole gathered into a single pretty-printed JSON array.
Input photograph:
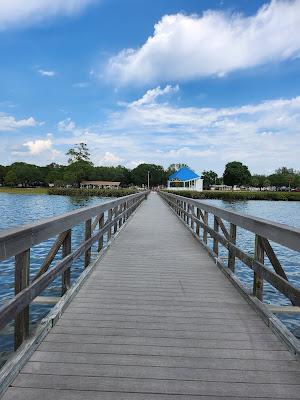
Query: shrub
[
  {"x": 91, "y": 192},
  {"x": 238, "y": 195}
]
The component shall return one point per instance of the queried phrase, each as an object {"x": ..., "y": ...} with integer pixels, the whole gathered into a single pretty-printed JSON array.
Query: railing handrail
[
  {"x": 190, "y": 212},
  {"x": 283, "y": 234},
  {"x": 19, "y": 241},
  {"x": 15, "y": 240}
]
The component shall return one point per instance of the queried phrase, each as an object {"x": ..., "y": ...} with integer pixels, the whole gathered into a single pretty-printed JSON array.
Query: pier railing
[
  {"x": 195, "y": 214},
  {"x": 104, "y": 219}
]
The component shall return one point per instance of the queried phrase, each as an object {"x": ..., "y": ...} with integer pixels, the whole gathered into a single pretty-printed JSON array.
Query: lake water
[{"x": 20, "y": 209}]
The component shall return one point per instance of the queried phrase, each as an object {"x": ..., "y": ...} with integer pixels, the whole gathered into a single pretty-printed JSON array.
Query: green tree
[
  {"x": 119, "y": 174},
  {"x": 3, "y": 172},
  {"x": 285, "y": 176},
  {"x": 173, "y": 168},
  {"x": 11, "y": 178},
  {"x": 24, "y": 174},
  {"x": 77, "y": 172},
  {"x": 209, "y": 178},
  {"x": 236, "y": 173},
  {"x": 139, "y": 175},
  {"x": 266, "y": 183},
  {"x": 79, "y": 152},
  {"x": 258, "y": 180}
]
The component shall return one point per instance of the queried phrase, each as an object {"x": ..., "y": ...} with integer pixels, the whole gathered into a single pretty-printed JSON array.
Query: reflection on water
[{"x": 20, "y": 209}]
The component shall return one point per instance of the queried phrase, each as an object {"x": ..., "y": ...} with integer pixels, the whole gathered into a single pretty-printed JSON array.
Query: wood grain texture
[{"x": 157, "y": 320}]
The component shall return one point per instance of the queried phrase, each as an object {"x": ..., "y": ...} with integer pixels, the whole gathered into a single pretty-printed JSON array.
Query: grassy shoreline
[
  {"x": 69, "y": 191},
  {"x": 238, "y": 195},
  {"x": 16, "y": 190},
  {"x": 91, "y": 192}
]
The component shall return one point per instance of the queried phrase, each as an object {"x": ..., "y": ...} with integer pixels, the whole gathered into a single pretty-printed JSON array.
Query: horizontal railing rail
[
  {"x": 195, "y": 214},
  {"x": 18, "y": 242}
]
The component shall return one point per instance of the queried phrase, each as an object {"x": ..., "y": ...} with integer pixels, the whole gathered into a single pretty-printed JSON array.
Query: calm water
[
  {"x": 21, "y": 209},
  {"x": 280, "y": 211}
]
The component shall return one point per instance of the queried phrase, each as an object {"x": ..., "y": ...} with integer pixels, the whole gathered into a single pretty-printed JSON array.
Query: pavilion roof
[{"x": 183, "y": 174}]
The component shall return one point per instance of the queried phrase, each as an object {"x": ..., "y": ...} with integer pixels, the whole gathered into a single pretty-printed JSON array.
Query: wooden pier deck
[{"x": 158, "y": 320}]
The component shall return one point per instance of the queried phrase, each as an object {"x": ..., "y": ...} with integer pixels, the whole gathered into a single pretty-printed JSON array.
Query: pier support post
[
  {"x": 66, "y": 250},
  {"x": 198, "y": 225},
  {"x": 231, "y": 254},
  {"x": 88, "y": 234},
  {"x": 216, "y": 242},
  {"x": 101, "y": 224},
  {"x": 205, "y": 230},
  {"x": 109, "y": 219},
  {"x": 22, "y": 269},
  {"x": 257, "y": 278}
]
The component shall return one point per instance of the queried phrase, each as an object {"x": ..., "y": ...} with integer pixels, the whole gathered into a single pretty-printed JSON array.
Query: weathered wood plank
[
  {"x": 22, "y": 273},
  {"x": 66, "y": 250},
  {"x": 147, "y": 324}
]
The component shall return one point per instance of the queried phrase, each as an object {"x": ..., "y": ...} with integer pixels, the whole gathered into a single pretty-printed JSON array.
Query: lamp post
[{"x": 148, "y": 179}]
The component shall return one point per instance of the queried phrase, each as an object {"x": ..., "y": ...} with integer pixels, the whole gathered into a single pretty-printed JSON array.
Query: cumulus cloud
[
  {"x": 45, "y": 72},
  {"x": 264, "y": 135},
  {"x": 110, "y": 159},
  {"x": 214, "y": 44},
  {"x": 151, "y": 95},
  {"x": 20, "y": 12},
  {"x": 38, "y": 146},
  {"x": 10, "y": 123}
]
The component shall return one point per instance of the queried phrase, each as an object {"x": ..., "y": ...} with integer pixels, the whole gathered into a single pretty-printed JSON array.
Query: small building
[
  {"x": 185, "y": 179},
  {"x": 220, "y": 187},
  {"x": 99, "y": 185}
]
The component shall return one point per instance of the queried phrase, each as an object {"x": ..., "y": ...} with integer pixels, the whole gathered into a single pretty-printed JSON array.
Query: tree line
[
  {"x": 81, "y": 168},
  {"x": 236, "y": 173}
]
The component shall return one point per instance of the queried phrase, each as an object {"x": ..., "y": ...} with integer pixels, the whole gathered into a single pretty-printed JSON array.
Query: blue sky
[{"x": 200, "y": 82}]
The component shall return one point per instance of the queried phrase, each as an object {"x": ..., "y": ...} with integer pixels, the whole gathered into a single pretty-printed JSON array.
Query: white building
[
  {"x": 185, "y": 179},
  {"x": 99, "y": 184}
]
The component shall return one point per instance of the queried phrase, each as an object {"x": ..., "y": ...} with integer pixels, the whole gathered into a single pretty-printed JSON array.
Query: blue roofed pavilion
[{"x": 185, "y": 179}]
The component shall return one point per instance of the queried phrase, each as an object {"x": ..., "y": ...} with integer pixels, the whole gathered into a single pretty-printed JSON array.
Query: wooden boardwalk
[{"x": 158, "y": 320}]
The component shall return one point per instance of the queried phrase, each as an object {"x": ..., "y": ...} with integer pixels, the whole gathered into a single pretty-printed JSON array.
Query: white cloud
[
  {"x": 151, "y": 95},
  {"x": 216, "y": 43},
  {"x": 20, "y": 12},
  {"x": 110, "y": 159},
  {"x": 38, "y": 146},
  {"x": 10, "y": 123},
  {"x": 45, "y": 72},
  {"x": 67, "y": 125},
  {"x": 264, "y": 135}
]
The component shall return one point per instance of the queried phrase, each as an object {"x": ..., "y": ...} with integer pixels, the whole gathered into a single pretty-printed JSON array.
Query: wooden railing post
[
  {"x": 101, "y": 224},
  {"x": 125, "y": 213},
  {"x": 116, "y": 223},
  {"x": 231, "y": 254},
  {"x": 215, "y": 240},
  {"x": 88, "y": 234},
  {"x": 109, "y": 219},
  {"x": 192, "y": 210},
  {"x": 22, "y": 272},
  {"x": 257, "y": 278},
  {"x": 205, "y": 230},
  {"x": 198, "y": 225},
  {"x": 66, "y": 250}
]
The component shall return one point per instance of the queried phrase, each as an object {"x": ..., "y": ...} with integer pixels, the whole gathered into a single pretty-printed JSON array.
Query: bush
[
  {"x": 238, "y": 195},
  {"x": 91, "y": 192}
]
